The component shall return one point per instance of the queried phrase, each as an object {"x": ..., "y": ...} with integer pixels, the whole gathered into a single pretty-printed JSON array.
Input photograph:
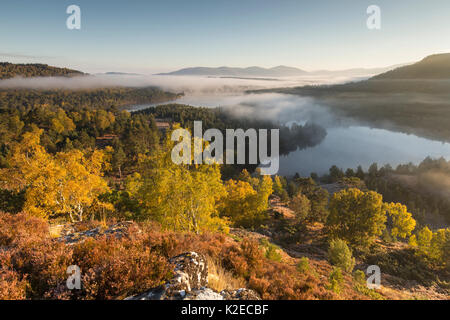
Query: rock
[
  {"x": 204, "y": 294},
  {"x": 190, "y": 282},
  {"x": 191, "y": 271},
  {"x": 118, "y": 230},
  {"x": 240, "y": 294},
  {"x": 190, "y": 274}
]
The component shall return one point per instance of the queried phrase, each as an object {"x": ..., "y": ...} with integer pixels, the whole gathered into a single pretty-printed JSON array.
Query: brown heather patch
[{"x": 33, "y": 265}]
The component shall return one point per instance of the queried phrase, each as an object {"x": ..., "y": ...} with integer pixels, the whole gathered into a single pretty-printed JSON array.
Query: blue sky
[{"x": 149, "y": 36}]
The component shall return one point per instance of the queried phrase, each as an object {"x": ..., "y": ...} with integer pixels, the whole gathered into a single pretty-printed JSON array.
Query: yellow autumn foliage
[{"x": 66, "y": 183}]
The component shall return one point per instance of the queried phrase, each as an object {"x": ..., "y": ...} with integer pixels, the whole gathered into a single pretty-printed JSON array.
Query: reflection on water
[
  {"x": 346, "y": 147},
  {"x": 353, "y": 146}
]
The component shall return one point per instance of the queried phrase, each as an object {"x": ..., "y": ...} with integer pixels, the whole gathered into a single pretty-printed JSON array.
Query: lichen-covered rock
[
  {"x": 118, "y": 230},
  {"x": 240, "y": 294},
  {"x": 190, "y": 282},
  {"x": 190, "y": 273},
  {"x": 203, "y": 294}
]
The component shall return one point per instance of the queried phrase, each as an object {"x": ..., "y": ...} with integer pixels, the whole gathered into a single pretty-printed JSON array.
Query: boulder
[
  {"x": 190, "y": 282},
  {"x": 190, "y": 274},
  {"x": 191, "y": 271},
  {"x": 203, "y": 294},
  {"x": 240, "y": 294},
  {"x": 117, "y": 230}
]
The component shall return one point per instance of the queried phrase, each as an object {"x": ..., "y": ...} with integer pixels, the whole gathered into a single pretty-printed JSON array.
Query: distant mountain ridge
[
  {"x": 280, "y": 71},
  {"x": 114, "y": 73},
  {"x": 433, "y": 67}
]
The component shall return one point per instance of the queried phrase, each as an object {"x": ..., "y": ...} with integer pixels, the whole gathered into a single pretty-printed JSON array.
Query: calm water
[
  {"x": 353, "y": 146},
  {"x": 344, "y": 146}
]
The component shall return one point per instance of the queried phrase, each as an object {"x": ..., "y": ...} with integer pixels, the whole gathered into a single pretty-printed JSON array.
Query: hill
[
  {"x": 280, "y": 71},
  {"x": 113, "y": 73},
  {"x": 11, "y": 70},
  {"x": 436, "y": 66}
]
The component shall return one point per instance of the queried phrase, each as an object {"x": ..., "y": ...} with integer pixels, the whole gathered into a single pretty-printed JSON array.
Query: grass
[
  {"x": 55, "y": 230},
  {"x": 220, "y": 279}
]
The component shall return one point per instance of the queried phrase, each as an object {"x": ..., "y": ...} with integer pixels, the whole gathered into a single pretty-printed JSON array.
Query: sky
[{"x": 157, "y": 36}]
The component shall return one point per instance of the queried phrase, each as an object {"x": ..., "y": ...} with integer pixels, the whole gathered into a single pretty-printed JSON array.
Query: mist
[
  {"x": 203, "y": 91},
  {"x": 281, "y": 108},
  {"x": 228, "y": 93},
  {"x": 187, "y": 84}
]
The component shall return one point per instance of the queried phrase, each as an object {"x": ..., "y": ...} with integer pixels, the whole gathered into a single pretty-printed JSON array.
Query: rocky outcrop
[
  {"x": 118, "y": 230},
  {"x": 190, "y": 282},
  {"x": 240, "y": 294}
]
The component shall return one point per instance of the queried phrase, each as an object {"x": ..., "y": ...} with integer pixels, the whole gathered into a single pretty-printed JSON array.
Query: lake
[{"x": 347, "y": 143}]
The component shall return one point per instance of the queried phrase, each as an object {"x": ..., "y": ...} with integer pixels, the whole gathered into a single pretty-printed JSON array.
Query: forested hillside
[
  {"x": 432, "y": 67},
  {"x": 11, "y": 70},
  {"x": 81, "y": 99}
]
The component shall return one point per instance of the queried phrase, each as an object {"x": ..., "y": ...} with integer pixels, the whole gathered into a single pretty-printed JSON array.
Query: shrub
[
  {"x": 272, "y": 251},
  {"x": 301, "y": 206},
  {"x": 21, "y": 227},
  {"x": 356, "y": 216},
  {"x": 303, "y": 265},
  {"x": 336, "y": 280},
  {"x": 433, "y": 246},
  {"x": 401, "y": 221},
  {"x": 359, "y": 277},
  {"x": 340, "y": 255},
  {"x": 386, "y": 236},
  {"x": 246, "y": 202},
  {"x": 405, "y": 264},
  {"x": 12, "y": 285},
  {"x": 318, "y": 198},
  {"x": 113, "y": 268}
]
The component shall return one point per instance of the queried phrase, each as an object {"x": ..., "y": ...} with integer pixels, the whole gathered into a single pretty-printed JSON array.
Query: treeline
[
  {"x": 71, "y": 185},
  {"x": 85, "y": 99},
  {"x": 11, "y": 70},
  {"x": 370, "y": 87},
  {"x": 77, "y": 120},
  {"x": 292, "y": 137},
  {"x": 129, "y": 134},
  {"x": 120, "y": 152},
  {"x": 422, "y": 188}
]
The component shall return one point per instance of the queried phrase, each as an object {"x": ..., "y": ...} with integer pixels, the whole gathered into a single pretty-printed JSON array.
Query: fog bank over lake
[{"x": 348, "y": 143}]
